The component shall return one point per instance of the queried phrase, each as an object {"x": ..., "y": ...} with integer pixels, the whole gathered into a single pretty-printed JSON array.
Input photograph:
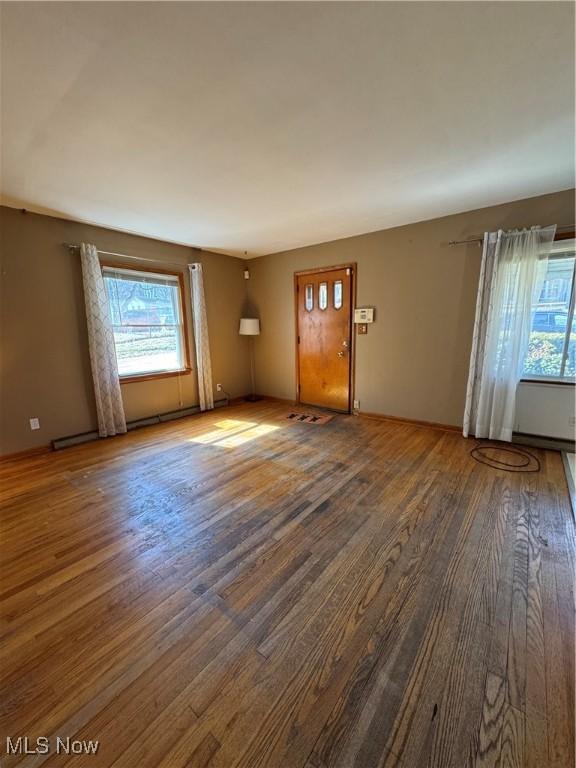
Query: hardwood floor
[{"x": 236, "y": 590}]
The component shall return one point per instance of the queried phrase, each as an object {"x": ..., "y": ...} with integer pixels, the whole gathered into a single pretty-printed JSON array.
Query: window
[
  {"x": 148, "y": 321},
  {"x": 552, "y": 346},
  {"x": 323, "y": 296},
  {"x": 337, "y": 294},
  {"x": 309, "y": 297}
]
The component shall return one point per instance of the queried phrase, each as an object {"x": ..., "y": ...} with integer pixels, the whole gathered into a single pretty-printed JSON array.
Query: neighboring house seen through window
[
  {"x": 147, "y": 315},
  {"x": 552, "y": 348}
]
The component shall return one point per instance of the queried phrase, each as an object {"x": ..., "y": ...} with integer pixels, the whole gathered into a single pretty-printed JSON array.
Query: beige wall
[
  {"x": 413, "y": 362},
  {"x": 45, "y": 364}
]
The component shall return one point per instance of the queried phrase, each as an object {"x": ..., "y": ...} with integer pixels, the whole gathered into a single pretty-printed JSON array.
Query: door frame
[{"x": 351, "y": 265}]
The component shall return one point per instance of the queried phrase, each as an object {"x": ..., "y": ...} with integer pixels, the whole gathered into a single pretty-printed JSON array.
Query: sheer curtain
[
  {"x": 201, "y": 341},
  {"x": 109, "y": 406},
  {"x": 511, "y": 277}
]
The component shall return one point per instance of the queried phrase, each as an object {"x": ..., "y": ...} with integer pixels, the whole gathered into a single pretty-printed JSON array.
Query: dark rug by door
[{"x": 308, "y": 418}]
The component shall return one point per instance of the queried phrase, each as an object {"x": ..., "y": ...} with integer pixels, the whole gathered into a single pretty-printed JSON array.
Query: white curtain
[
  {"x": 511, "y": 277},
  {"x": 201, "y": 341},
  {"x": 109, "y": 406}
]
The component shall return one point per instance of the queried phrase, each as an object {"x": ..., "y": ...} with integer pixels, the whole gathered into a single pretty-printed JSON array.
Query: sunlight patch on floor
[
  {"x": 224, "y": 427},
  {"x": 231, "y": 433}
]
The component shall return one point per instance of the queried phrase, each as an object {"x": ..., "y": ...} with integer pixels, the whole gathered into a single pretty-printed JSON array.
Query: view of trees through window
[
  {"x": 145, "y": 312},
  {"x": 552, "y": 348}
]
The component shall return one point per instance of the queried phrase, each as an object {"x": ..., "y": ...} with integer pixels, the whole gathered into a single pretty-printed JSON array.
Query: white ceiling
[{"x": 265, "y": 126}]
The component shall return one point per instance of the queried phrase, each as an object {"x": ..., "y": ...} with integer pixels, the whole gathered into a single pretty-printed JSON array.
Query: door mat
[{"x": 308, "y": 418}]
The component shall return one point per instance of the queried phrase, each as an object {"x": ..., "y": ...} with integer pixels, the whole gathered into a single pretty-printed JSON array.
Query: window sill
[
  {"x": 556, "y": 382},
  {"x": 151, "y": 376}
]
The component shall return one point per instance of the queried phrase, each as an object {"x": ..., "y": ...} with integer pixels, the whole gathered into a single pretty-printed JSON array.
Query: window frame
[
  {"x": 187, "y": 369},
  {"x": 567, "y": 381}
]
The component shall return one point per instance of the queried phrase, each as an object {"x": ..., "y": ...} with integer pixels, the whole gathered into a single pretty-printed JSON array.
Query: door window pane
[
  {"x": 309, "y": 294},
  {"x": 323, "y": 295},
  {"x": 337, "y": 294}
]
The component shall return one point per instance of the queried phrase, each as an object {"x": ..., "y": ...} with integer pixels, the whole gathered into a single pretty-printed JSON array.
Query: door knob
[{"x": 340, "y": 354}]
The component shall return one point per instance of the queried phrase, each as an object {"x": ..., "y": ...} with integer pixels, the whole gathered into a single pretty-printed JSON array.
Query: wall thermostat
[{"x": 364, "y": 315}]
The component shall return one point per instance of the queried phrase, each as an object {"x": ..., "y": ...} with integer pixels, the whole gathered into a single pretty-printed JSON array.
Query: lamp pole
[
  {"x": 252, "y": 397},
  {"x": 250, "y": 326}
]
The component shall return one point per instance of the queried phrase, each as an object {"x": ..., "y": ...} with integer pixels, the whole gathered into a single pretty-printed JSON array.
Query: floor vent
[{"x": 308, "y": 418}]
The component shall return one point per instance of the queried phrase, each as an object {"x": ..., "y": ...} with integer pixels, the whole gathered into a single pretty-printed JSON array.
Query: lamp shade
[{"x": 249, "y": 326}]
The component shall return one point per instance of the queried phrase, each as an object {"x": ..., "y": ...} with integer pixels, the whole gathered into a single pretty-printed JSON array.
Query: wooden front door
[{"x": 324, "y": 337}]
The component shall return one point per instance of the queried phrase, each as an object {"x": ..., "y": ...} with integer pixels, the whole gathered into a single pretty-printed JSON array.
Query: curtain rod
[
  {"x": 479, "y": 240},
  {"x": 76, "y": 247}
]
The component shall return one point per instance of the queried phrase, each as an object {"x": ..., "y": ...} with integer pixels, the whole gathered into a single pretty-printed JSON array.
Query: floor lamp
[{"x": 250, "y": 326}]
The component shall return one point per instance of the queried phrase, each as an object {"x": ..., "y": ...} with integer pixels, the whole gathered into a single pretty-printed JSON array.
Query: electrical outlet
[
  {"x": 34, "y": 423},
  {"x": 356, "y": 404},
  {"x": 218, "y": 387}
]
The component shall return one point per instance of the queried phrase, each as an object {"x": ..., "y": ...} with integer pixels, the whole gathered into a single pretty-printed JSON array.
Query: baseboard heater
[
  {"x": 541, "y": 441},
  {"x": 87, "y": 437}
]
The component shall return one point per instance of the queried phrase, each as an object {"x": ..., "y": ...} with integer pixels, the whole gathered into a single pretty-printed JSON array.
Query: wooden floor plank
[{"x": 235, "y": 591}]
